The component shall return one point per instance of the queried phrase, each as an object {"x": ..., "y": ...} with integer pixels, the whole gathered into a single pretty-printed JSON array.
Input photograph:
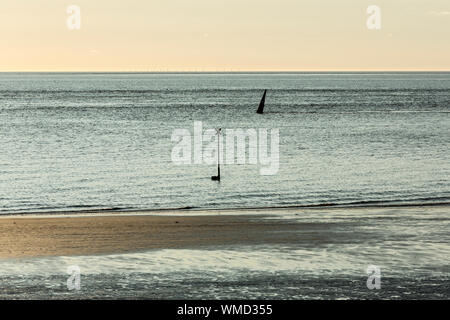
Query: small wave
[
  {"x": 75, "y": 209},
  {"x": 356, "y": 204},
  {"x": 422, "y": 202}
]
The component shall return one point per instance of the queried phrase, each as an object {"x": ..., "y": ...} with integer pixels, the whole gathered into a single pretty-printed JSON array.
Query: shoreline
[{"x": 195, "y": 211}]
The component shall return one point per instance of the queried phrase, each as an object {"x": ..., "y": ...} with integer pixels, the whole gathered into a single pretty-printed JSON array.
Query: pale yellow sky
[{"x": 224, "y": 35}]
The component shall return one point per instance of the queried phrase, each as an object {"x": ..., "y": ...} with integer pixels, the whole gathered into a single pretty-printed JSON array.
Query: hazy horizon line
[{"x": 236, "y": 71}]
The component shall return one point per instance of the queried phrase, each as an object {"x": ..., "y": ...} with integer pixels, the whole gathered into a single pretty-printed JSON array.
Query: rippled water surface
[{"x": 80, "y": 141}]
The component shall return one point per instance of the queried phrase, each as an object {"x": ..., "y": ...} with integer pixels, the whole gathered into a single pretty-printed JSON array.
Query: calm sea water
[{"x": 98, "y": 141}]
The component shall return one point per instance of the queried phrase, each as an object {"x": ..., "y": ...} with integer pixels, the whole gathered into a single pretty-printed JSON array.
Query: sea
[
  {"x": 93, "y": 142},
  {"x": 103, "y": 141}
]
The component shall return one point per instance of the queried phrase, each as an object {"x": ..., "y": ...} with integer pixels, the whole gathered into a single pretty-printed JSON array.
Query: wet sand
[
  {"x": 86, "y": 235},
  {"x": 92, "y": 233},
  {"x": 232, "y": 254}
]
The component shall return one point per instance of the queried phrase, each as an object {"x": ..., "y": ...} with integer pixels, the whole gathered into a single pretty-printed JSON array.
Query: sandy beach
[
  {"x": 121, "y": 232},
  {"x": 85, "y": 235},
  {"x": 284, "y": 253}
]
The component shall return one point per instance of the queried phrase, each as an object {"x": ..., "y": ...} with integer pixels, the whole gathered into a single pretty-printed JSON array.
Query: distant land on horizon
[{"x": 236, "y": 71}]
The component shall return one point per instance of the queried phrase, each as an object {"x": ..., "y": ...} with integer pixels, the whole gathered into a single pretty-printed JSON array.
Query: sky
[{"x": 224, "y": 35}]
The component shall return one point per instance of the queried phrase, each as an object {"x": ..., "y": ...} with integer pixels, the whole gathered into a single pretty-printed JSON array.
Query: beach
[
  {"x": 85, "y": 235},
  {"x": 90, "y": 233},
  {"x": 285, "y": 253}
]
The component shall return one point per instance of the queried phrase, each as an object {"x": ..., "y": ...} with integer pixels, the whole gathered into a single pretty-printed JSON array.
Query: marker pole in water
[{"x": 217, "y": 178}]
